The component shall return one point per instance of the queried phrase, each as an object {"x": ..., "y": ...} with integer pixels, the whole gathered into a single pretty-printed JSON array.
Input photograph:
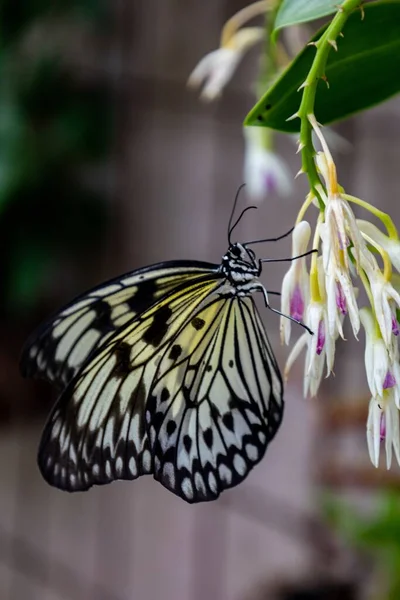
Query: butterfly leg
[{"x": 278, "y": 312}]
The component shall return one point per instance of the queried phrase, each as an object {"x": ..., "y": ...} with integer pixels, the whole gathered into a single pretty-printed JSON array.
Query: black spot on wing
[
  {"x": 187, "y": 442},
  {"x": 143, "y": 296},
  {"x": 176, "y": 351},
  {"x": 102, "y": 321},
  {"x": 164, "y": 395},
  {"x": 198, "y": 323},
  {"x": 187, "y": 397},
  {"x": 171, "y": 427},
  {"x": 139, "y": 397},
  {"x": 208, "y": 437},
  {"x": 227, "y": 420},
  {"x": 214, "y": 410},
  {"x": 231, "y": 364},
  {"x": 123, "y": 356},
  {"x": 159, "y": 327}
]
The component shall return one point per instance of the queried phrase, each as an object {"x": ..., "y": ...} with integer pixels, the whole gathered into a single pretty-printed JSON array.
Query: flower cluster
[{"x": 346, "y": 252}]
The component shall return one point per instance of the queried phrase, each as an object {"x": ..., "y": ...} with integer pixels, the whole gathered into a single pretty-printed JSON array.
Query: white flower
[
  {"x": 341, "y": 295},
  {"x": 295, "y": 285},
  {"x": 383, "y": 374},
  {"x": 264, "y": 171},
  {"x": 320, "y": 348},
  {"x": 379, "y": 366},
  {"x": 391, "y": 246},
  {"x": 216, "y": 68},
  {"x": 386, "y": 299},
  {"x": 383, "y": 424},
  {"x": 341, "y": 226}
]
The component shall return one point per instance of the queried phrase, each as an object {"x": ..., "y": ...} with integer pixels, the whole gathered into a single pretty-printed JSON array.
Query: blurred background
[{"x": 107, "y": 163}]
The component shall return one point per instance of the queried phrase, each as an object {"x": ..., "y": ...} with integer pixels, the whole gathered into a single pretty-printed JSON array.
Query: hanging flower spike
[
  {"x": 295, "y": 285},
  {"x": 340, "y": 230},
  {"x": 341, "y": 224},
  {"x": 265, "y": 172},
  {"x": 216, "y": 68}
]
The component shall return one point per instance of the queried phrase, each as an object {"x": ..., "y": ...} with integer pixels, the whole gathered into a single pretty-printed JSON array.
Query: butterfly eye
[{"x": 236, "y": 251}]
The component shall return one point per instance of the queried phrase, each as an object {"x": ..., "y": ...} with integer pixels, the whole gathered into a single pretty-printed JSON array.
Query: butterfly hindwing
[
  {"x": 59, "y": 349},
  {"x": 216, "y": 401}
]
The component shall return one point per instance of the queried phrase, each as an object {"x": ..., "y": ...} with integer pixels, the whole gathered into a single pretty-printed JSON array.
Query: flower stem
[
  {"x": 387, "y": 265},
  {"x": 384, "y": 217},
  {"x": 315, "y": 292},
  {"x": 241, "y": 17},
  {"x": 324, "y": 45},
  {"x": 306, "y": 204}
]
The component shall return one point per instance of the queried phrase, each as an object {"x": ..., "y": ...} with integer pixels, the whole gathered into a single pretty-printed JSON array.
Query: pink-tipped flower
[
  {"x": 336, "y": 233},
  {"x": 265, "y": 172},
  {"x": 383, "y": 426},
  {"x": 320, "y": 349},
  {"x": 295, "y": 285},
  {"x": 386, "y": 301},
  {"x": 395, "y": 326},
  {"x": 381, "y": 364}
]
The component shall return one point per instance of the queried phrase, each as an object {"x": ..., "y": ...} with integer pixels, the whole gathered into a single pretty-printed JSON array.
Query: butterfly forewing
[
  {"x": 59, "y": 349},
  {"x": 96, "y": 432}
]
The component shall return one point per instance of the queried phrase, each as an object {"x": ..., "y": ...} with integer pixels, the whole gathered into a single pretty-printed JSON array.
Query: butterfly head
[{"x": 240, "y": 264}]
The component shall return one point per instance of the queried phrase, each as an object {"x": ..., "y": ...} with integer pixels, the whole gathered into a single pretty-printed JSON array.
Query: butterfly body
[{"x": 166, "y": 371}]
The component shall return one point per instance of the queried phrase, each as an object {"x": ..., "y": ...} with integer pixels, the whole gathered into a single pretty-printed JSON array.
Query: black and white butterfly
[{"x": 166, "y": 370}]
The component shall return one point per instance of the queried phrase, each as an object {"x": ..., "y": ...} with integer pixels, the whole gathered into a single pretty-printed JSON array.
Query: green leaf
[
  {"x": 361, "y": 74},
  {"x": 293, "y": 12}
]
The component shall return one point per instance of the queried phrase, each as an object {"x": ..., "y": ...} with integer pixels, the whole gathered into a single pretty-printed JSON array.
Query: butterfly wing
[
  {"x": 214, "y": 408},
  {"x": 61, "y": 346},
  {"x": 190, "y": 391},
  {"x": 96, "y": 432}
]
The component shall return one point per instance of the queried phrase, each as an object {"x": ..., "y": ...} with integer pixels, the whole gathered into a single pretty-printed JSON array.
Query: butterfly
[{"x": 166, "y": 370}]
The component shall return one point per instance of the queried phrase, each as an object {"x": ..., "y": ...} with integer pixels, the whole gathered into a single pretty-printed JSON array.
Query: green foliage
[
  {"x": 50, "y": 127},
  {"x": 17, "y": 17},
  {"x": 294, "y": 12},
  {"x": 360, "y": 75},
  {"x": 377, "y": 535}
]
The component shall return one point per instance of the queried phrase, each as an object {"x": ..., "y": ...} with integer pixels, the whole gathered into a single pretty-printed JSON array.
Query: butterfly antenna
[
  {"x": 288, "y": 259},
  {"x": 270, "y": 239},
  {"x": 230, "y": 229},
  {"x": 238, "y": 220}
]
